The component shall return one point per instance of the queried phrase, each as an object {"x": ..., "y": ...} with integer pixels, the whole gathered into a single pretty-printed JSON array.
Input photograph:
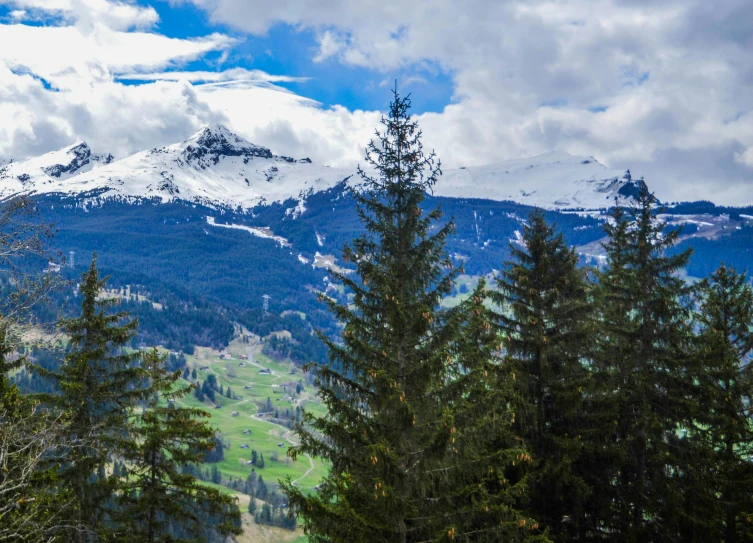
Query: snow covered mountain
[
  {"x": 218, "y": 168},
  {"x": 553, "y": 180},
  {"x": 213, "y": 167},
  {"x": 38, "y": 174}
]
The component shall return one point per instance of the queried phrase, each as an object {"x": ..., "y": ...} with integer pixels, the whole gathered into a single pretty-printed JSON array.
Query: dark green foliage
[
  {"x": 642, "y": 386},
  {"x": 735, "y": 249},
  {"x": 99, "y": 383},
  {"x": 276, "y": 516},
  {"x": 725, "y": 341},
  {"x": 156, "y": 494},
  {"x": 490, "y": 466},
  {"x": 545, "y": 318},
  {"x": 216, "y": 453},
  {"x": 390, "y": 433}
]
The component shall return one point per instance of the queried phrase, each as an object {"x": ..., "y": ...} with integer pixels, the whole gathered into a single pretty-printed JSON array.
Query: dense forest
[{"x": 557, "y": 403}]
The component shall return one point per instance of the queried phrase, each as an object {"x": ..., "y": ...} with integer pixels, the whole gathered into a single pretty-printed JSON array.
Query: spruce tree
[
  {"x": 489, "y": 466},
  {"x": 156, "y": 494},
  {"x": 544, "y": 316},
  {"x": 642, "y": 390},
  {"x": 725, "y": 341},
  {"x": 100, "y": 382},
  {"x": 388, "y": 433}
]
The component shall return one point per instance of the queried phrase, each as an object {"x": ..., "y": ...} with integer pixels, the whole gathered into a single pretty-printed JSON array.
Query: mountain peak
[{"x": 212, "y": 142}]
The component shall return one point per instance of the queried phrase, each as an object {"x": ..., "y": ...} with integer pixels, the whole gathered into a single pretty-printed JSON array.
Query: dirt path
[{"x": 288, "y": 436}]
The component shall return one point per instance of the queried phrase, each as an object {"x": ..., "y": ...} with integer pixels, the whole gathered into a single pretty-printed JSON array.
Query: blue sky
[{"x": 285, "y": 50}]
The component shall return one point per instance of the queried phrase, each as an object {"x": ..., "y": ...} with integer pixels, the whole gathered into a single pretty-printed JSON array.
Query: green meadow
[{"x": 235, "y": 418}]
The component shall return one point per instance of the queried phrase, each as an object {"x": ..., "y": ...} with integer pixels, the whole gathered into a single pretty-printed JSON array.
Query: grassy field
[
  {"x": 246, "y": 413},
  {"x": 236, "y": 416}
]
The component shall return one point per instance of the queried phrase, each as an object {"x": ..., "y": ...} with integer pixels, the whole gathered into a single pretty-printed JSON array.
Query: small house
[
  {"x": 244, "y": 446},
  {"x": 247, "y": 432},
  {"x": 235, "y": 413}
]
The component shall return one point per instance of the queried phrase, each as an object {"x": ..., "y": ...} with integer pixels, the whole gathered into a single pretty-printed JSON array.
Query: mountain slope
[
  {"x": 553, "y": 180},
  {"x": 218, "y": 168},
  {"x": 51, "y": 169},
  {"x": 213, "y": 167}
]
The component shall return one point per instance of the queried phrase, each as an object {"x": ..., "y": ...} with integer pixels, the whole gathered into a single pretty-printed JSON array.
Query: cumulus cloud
[
  {"x": 290, "y": 124},
  {"x": 58, "y": 82},
  {"x": 113, "y": 14},
  {"x": 80, "y": 57}
]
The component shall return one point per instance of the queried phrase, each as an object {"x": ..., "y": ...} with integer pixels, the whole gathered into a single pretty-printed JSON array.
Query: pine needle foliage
[
  {"x": 100, "y": 382},
  {"x": 643, "y": 379},
  {"x": 490, "y": 466},
  {"x": 156, "y": 495},
  {"x": 544, "y": 314},
  {"x": 725, "y": 342},
  {"x": 389, "y": 431}
]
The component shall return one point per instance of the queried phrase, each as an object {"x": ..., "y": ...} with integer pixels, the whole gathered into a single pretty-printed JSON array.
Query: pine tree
[
  {"x": 725, "y": 342},
  {"x": 100, "y": 384},
  {"x": 388, "y": 434},
  {"x": 543, "y": 298},
  {"x": 156, "y": 494},
  {"x": 490, "y": 464},
  {"x": 641, "y": 396}
]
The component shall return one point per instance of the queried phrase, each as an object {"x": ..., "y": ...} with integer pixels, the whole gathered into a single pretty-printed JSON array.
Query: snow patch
[{"x": 262, "y": 232}]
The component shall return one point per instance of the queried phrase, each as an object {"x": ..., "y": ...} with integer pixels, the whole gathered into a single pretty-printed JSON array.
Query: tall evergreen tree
[
  {"x": 725, "y": 343},
  {"x": 545, "y": 318},
  {"x": 643, "y": 380},
  {"x": 156, "y": 494},
  {"x": 100, "y": 382},
  {"x": 388, "y": 434},
  {"x": 489, "y": 465}
]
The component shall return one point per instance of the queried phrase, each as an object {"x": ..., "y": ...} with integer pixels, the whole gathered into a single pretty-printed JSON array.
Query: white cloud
[
  {"x": 329, "y": 45},
  {"x": 68, "y": 57},
  {"x": 57, "y": 83},
  {"x": 290, "y": 124},
  {"x": 113, "y": 14},
  {"x": 234, "y": 74}
]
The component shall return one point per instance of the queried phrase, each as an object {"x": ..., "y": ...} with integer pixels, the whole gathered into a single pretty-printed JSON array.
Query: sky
[{"x": 663, "y": 87}]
